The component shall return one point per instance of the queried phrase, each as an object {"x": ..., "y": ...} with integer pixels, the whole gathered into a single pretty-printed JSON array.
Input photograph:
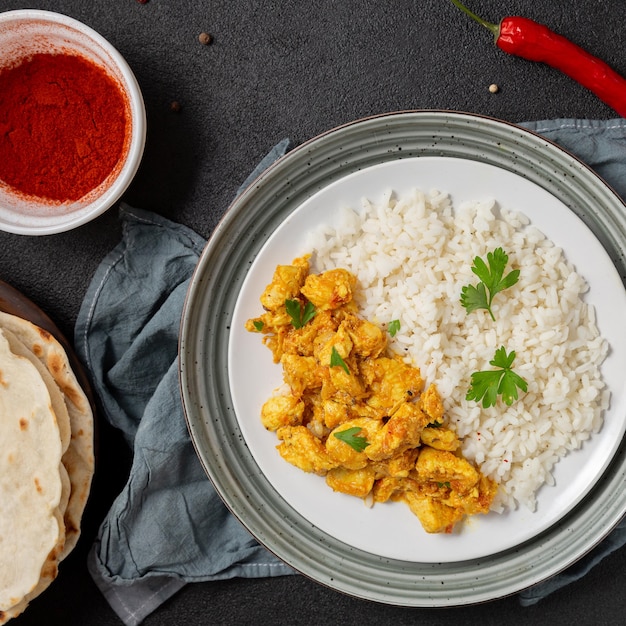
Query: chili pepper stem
[{"x": 494, "y": 28}]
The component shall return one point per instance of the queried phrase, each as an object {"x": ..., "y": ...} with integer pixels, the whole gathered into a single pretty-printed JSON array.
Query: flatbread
[
  {"x": 49, "y": 572},
  {"x": 56, "y": 397},
  {"x": 31, "y": 485},
  {"x": 27, "y": 346},
  {"x": 79, "y": 456}
]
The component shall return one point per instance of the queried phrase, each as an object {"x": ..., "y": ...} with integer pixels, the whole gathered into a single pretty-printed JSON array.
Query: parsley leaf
[
  {"x": 299, "y": 317},
  {"x": 487, "y": 385},
  {"x": 258, "y": 325},
  {"x": 337, "y": 361},
  {"x": 393, "y": 327},
  {"x": 492, "y": 282},
  {"x": 349, "y": 436}
]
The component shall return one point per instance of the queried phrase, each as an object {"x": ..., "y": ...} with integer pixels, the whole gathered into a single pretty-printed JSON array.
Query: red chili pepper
[{"x": 530, "y": 40}]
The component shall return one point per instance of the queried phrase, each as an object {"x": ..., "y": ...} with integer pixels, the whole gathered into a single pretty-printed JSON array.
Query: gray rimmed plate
[{"x": 206, "y": 335}]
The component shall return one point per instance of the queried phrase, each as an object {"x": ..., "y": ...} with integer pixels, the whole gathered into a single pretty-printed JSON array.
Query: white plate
[
  {"x": 391, "y": 530},
  {"x": 268, "y": 204}
]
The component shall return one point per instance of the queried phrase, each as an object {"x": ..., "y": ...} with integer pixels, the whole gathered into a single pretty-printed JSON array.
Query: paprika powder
[{"x": 64, "y": 126}]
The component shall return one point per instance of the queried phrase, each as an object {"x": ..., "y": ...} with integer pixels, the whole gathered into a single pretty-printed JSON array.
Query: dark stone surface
[{"x": 293, "y": 69}]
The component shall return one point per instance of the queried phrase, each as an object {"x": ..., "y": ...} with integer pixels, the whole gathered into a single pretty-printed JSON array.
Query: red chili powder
[{"x": 64, "y": 123}]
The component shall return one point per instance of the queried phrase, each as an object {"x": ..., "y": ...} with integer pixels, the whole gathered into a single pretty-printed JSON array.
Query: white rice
[{"x": 412, "y": 255}]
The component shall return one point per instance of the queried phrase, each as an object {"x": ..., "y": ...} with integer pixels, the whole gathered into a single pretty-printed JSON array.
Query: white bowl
[{"x": 27, "y": 32}]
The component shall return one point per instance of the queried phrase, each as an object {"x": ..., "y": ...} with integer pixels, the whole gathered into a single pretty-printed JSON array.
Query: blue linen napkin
[{"x": 168, "y": 527}]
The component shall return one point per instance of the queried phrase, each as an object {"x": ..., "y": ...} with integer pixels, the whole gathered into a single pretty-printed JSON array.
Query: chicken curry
[{"x": 354, "y": 412}]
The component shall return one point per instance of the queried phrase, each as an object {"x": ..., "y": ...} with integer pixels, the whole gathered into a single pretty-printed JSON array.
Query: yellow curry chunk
[
  {"x": 302, "y": 448},
  {"x": 286, "y": 284},
  {"x": 285, "y": 410},
  {"x": 345, "y": 455},
  {"x": 392, "y": 382},
  {"x": 356, "y": 483},
  {"x": 400, "y": 433},
  {"x": 329, "y": 290},
  {"x": 430, "y": 402},
  {"x": 434, "y": 516},
  {"x": 356, "y": 413},
  {"x": 441, "y": 466},
  {"x": 440, "y": 438}
]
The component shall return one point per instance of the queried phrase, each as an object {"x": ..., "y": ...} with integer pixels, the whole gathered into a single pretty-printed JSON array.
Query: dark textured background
[{"x": 293, "y": 69}]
